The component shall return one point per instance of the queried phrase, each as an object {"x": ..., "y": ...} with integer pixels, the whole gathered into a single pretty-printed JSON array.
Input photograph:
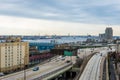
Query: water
[{"x": 58, "y": 41}]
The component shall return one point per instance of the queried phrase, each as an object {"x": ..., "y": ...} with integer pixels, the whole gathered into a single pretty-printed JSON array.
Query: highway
[
  {"x": 30, "y": 74},
  {"x": 82, "y": 53},
  {"x": 92, "y": 69}
]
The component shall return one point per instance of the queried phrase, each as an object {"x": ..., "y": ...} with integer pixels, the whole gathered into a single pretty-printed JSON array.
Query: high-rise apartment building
[
  {"x": 102, "y": 37},
  {"x": 14, "y": 54},
  {"x": 109, "y": 33}
]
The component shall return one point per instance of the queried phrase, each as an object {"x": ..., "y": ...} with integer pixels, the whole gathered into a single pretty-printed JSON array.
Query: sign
[{"x": 68, "y": 53}]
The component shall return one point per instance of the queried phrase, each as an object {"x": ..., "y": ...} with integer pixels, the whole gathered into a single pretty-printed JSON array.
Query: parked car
[{"x": 35, "y": 68}]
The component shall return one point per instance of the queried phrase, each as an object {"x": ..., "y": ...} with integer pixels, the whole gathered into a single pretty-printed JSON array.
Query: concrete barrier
[
  {"x": 107, "y": 72},
  {"x": 52, "y": 72}
]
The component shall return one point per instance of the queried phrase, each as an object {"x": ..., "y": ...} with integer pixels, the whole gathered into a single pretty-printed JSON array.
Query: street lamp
[{"x": 85, "y": 54}]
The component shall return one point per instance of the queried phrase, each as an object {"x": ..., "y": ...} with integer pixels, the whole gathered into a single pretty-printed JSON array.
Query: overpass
[
  {"x": 95, "y": 66},
  {"x": 54, "y": 73},
  {"x": 47, "y": 70}
]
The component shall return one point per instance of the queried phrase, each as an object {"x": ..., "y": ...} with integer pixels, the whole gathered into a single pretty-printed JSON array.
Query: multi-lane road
[
  {"x": 92, "y": 69},
  {"x": 30, "y": 74},
  {"x": 91, "y": 72}
]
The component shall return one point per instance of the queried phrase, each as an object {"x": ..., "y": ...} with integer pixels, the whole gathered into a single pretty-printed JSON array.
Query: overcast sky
[{"x": 60, "y": 17}]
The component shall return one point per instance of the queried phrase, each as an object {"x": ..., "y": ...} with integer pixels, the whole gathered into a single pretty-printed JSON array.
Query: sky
[{"x": 59, "y": 17}]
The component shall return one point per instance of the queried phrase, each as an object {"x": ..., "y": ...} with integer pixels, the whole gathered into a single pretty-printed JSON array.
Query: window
[{"x": 5, "y": 65}]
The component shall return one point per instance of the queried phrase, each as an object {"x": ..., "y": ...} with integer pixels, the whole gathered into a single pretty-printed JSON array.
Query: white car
[{"x": 63, "y": 58}]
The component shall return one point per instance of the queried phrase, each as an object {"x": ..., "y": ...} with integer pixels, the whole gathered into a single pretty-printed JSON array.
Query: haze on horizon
[{"x": 58, "y": 17}]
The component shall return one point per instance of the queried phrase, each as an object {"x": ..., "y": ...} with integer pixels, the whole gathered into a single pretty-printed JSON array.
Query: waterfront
[{"x": 59, "y": 41}]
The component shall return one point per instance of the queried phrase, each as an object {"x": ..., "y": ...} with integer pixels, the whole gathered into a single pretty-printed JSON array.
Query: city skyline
[{"x": 58, "y": 17}]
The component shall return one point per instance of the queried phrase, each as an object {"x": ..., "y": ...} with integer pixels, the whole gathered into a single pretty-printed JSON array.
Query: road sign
[{"x": 68, "y": 53}]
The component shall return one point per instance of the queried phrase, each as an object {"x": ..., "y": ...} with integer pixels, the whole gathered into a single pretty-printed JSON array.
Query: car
[
  {"x": 2, "y": 74},
  {"x": 101, "y": 54},
  {"x": 59, "y": 57},
  {"x": 35, "y": 68},
  {"x": 63, "y": 58},
  {"x": 68, "y": 61}
]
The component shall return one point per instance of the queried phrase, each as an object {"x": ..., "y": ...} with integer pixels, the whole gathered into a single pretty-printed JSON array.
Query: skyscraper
[{"x": 109, "y": 33}]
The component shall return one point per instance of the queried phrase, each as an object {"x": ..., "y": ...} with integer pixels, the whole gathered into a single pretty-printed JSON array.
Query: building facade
[
  {"x": 102, "y": 37},
  {"x": 36, "y": 56},
  {"x": 109, "y": 33},
  {"x": 117, "y": 57},
  {"x": 118, "y": 49},
  {"x": 42, "y": 46},
  {"x": 107, "y": 36},
  {"x": 14, "y": 54}
]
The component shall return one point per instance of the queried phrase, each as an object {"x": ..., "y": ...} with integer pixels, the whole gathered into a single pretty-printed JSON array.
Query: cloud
[
  {"x": 81, "y": 11},
  {"x": 28, "y": 26}
]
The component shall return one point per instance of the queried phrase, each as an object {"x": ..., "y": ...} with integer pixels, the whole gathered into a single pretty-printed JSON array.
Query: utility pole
[
  {"x": 24, "y": 73},
  {"x": 24, "y": 69}
]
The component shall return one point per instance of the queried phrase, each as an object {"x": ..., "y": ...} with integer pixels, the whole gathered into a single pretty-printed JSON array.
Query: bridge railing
[{"x": 53, "y": 71}]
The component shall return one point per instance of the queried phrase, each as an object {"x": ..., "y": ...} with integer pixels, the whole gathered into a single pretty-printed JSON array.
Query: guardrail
[
  {"x": 53, "y": 71},
  {"x": 107, "y": 71}
]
